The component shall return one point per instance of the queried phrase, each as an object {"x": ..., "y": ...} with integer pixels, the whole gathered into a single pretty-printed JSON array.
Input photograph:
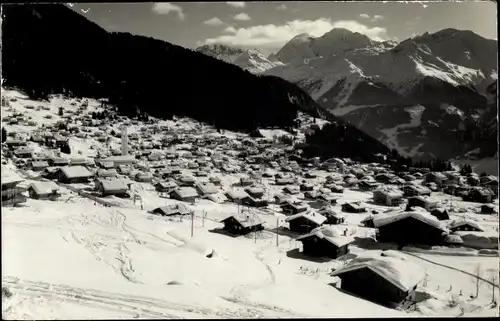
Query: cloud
[
  {"x": 242, "y": 17},
  {"x": 236, "y": 4},
  {"x": 281, "y": 7},
  {"x": 165, "y": 8},
  {"x": 214, "y": 22},
  {"x": 373, "y": 18},
  {"x": 275, "y": 36}
]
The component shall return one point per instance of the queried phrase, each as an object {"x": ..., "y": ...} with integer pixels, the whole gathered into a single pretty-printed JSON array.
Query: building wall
[
  {"x": 369, "y": 285},
  {"x": 297, "y": 225},
  {"x": 410, "y": 231}
]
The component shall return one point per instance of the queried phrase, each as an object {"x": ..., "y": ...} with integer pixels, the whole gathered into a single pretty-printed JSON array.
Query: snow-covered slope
[
  {"x": 358, "y": 79},
  {"x": 252, "y": 59}
]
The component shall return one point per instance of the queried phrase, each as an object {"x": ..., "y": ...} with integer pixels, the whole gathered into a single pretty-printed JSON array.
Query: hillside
[
  {"x": 426, "y": 96},
  {"x": 137, "y": 72}
]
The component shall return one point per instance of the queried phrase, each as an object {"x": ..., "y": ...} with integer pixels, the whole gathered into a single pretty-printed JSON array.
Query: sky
[{"x": 268, "y": 26}]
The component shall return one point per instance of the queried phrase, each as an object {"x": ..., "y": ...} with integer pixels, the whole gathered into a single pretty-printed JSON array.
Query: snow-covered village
[{"x": 111, "y": 216}]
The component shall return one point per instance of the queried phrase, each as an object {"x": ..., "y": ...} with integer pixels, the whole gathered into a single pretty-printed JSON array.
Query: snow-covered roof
[
  {"x": 75, "y": 171},
  {"x": 207, "y": 188},
  {"x": 246, "y": 220},
  {"x": 401, "y": 273},
  {"x": 311, "y": 216},
  {"x": 174, "y": 209},
  {"x": 113, "y": 184},
  {"x": 421, "y": 216},
  {"x": 185, "y": 192},
  {"x": 456, "y": 224},
  {"x": 237, "y": 194},
  {"x": 331, "y": 234},
  {"x": 44, "y": 187}
]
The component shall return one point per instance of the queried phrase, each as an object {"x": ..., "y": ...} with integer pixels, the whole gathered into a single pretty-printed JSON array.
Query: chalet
[
  {"x": 435, "y": 177},
  {"x": 215, "y": 180},
  {"x": 325, "y": 242},
  {"x": 206, "y": 188},
  {"x": 186, "y": 181},
  {"x": 73, "y": 174},
  {"x": 354, "y": 207},
  {"x": 281, "y": 199},
  {"x": 44, "y": 190},
  {"x": 106, "y": 173},
  {"x": 243, "y": 224},
  {"x": 49, "y": 172},
  {"x": 173, "y": 210},
  {"x": 106, "y": 164},
  {"x": 310, "y": 175},
  {"x": 351, "y": 182},
  {"x": 12, "y": 142},
  {"x": 185, "y": 194},
  {"x": 11, "y": 194},
  {"x": 472, "y": 180},
  {"x": 367, "y": 277},
  {"x": 236, "y": 196},
  {"x": 163, "y": 173},
  {"x": 329, "y": 199},
  {"x": 200, "y": 173},
  {"x": 410, "y": 228},
  {"x": 311, "y": 195},
  {"x": 165, "y": 186},
  {"x": 387, "y": 197},
  {"x": 492, "y": 184},
  {"x": 255, "y": 192},
  {"x": 465, "y": 225},
  {"x": 58, "y": 161},
  {"x": 305, "y": 222},
  {"x": 175, "y": 169},
  {"x": 488, "y": 209},
  {"x": 306, "y": 187},
  {"x": 284, "y": 181},
  {"x": 337, "y": 189},
  {"x": 39, "y": 165},
  {"x": 440, "y": 213},
  {"x": 479, "y": 195},
  {"x": 291, "y": 208},
  {"x": 292, "y": 190},
  {"x": 113, "y": 186},
  {"x": 409, "y": 178},
  {"x": 23, "y": 152},
  {"x": 246, "y": 181},
  {"x": 452, "y": 178},
  {"x": 121, "y": 160},
  {"x": 411, "y": 190},
  {"x": 366, "y": 185},
  {"x": 332, "y": 217},
  {"x": 253, "y": 202},
  {"x": 383, "y": 178},
  {"x": 144, "y": 177}
]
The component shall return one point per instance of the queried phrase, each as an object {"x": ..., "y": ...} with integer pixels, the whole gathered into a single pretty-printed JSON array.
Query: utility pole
[
  {"x": 277, "y": 231},
  {"x": 192, "y": 224}
]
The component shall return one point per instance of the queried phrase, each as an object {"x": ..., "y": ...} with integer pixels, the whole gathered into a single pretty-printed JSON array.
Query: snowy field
[{"x": 77, "y": 259}]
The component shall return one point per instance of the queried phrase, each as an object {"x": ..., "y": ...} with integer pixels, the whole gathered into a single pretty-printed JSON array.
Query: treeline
[
  {"x": 138, "y": 73},
  {"x": 337, "y": 139}
]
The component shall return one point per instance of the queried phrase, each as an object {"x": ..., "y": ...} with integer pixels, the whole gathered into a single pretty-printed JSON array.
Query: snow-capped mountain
[
  {"x": 252, "y": 59},
  {"x": 425, "y": 95}
]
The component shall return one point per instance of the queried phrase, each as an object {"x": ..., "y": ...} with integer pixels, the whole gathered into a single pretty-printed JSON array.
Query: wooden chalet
[
  {"x": 424, "y": 202},
  {"x": 173, "y": 210},
  {"x": 332, "y": 217},
  {"x": 354, "y": 207},
  {"x": 465, "y": 225},
  {"x": 368, "y": 278},
  {"x": 488, "y": 209},
  {"x": 367, "y": 185},
  {"x": 39, "y": 165},
  {"x": 255, "y": 192},
  {"x": 305, "y": 222},
  {"x": 325, "y": 242},
  {"x": 206, "y": 189},
  {"x": 292, "y": 208},
  {"x": 44, "y": 190},
  {"x": 165, "y": 187},
  {"x": 387, "y": 197},
  {"x": 11, "y": 194},
  {"x": 242, "y": 224},
  {"x": 479, "y": 195},
  {"x": 411, "y": 190},
  {"x": 253, "y": 202},
  {"x": 410, "y": 228},
  {"x": 113, "y": 186},
  {"x": 292, "y": 190},
  {"x": 73, "y": 174},
  {"x": 106, "y": 173},
  {"x": 58, "y": 161},
  {"x": 440, "y": 213},
  {"x": 185, "y": 194}
]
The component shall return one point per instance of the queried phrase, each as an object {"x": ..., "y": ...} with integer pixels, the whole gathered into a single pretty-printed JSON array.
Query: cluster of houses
[{"x": 186, "y": 165}]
